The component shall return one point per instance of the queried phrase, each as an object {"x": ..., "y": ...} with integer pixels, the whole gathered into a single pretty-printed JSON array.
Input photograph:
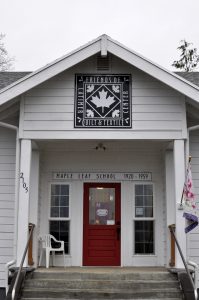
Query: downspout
[
  {"x": 12, "y": 127},
  {"x": 187, "y": 141}
]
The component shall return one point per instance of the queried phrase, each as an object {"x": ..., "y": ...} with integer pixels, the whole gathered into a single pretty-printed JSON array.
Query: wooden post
[
  {"x": 172, "y": 259},
  {"x": 30, "y": 258}
]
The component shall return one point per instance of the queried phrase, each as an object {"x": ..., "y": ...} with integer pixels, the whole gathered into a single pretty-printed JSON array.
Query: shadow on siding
[{"x": 2, "y": 293}]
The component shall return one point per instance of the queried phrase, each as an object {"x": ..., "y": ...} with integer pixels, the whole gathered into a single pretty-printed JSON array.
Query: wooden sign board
[
  {"x": 102, "y": 101},
  {"x": 126, "y": 176}
]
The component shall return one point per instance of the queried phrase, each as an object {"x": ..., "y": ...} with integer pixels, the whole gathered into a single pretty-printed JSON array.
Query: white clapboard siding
[
  {"x": 48, "y": 92},
  {"x": 157, "y": 100},
  {"x": 156, "y": 108},
  {"x": 6, "y": 236},
  {"x": 5, "y": 259},
  {"x": 160, "y": 116},
  {"x": 6, "y": 204},
  {"x": 6, "y": 251},
  {"x": 47, "y": 101},
  {"x": 139, "y": 125},
  {"x": 47, "y": 116},
  {"x": 7, "y": 159},
  {"x": 158, "y": 92},
  {"x": 7, "y": 218},
  {"x": 5, "y": 144},
  {"x": 6, "y": 213},
  {"x": 50, "y": 108},
  {"x": 7, "y": 192},
  {"x": 8, "y": 174},
  {"x": 60, "y": 116}
]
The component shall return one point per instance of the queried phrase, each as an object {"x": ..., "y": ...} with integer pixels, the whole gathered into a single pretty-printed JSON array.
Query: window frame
[
  {"x": 69, "y": 203},
  {"x": 144, "y": 218},
  {"x": 60, "y": 218}
]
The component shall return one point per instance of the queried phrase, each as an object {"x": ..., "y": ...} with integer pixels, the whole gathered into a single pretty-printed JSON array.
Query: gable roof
[
  {"x": 7, "y": 78},
  {"x": 102, "y": 44},
  {"x": 190, "y": 76}
]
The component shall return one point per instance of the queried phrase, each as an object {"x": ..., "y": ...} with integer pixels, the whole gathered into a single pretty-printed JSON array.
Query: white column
[
  {"x": 179, "y": 175},
  {"x": 34, "y": 199},
  {"x": 24, "y": 197},
  {"x": 170, "y": 197}
]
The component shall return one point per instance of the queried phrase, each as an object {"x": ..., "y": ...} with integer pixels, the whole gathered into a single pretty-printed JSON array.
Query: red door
[{"x": 101, "y": 238}]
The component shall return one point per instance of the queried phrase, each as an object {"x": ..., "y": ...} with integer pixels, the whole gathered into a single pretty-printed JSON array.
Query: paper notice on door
[
  {"x": 139, "y": 211},
  {"x": 110, "y": 222}
]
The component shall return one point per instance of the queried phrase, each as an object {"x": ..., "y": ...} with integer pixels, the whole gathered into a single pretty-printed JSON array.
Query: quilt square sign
[{"x": 102, "y": 101}]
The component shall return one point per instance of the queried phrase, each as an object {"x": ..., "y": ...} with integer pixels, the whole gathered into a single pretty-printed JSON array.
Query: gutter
[{"x": 15, "y": 128}]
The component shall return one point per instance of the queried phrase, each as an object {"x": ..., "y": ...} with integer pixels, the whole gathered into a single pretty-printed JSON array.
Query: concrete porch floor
[{"x": 122, "y": 270}]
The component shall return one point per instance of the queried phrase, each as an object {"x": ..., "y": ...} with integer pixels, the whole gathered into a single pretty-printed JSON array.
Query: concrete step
[
  {"x": 100, "y": 284},
  {"x": 104, "y": 276},
  {"x": 86, "y": 284},
  {"x": 103, "y": 298},
  {"x": 100, "y": 294}
]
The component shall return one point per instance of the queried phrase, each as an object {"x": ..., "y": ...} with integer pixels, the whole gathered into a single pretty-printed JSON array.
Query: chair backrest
[{"x": 46, "y": 240}]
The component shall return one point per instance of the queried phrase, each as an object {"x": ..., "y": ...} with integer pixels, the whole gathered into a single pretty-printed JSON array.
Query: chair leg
[
  {"x": 64, "y": 259},
  {"x": 40, "y": 258},
  {"x": 47, "y": 258},
  {"x": 53, "y": 258}
]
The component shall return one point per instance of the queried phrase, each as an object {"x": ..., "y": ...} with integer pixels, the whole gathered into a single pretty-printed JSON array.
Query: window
[
  {"x": 144, "y": 219},
  {"x": 59, "y": 223}
]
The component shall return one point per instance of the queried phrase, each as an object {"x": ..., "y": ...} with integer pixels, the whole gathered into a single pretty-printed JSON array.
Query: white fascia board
[
  {"x": 30, "y": 81},
  {"x": 176, "y": 82},
  {"x": 104, "y": 135}
]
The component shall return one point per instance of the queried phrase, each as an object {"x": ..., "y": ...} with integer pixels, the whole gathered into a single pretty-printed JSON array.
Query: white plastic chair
[{"x": 47, "y": 247}]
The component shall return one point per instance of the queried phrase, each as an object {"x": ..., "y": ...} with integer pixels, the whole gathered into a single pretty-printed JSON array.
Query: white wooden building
[{"x": 93, "y": 149}]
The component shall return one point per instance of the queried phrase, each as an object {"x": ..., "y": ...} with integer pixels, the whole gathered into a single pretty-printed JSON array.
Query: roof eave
[
  {"x": 171, "y": 79},
  {"x": 30, "y": 81},
  {"x": 104, "y": 43}
]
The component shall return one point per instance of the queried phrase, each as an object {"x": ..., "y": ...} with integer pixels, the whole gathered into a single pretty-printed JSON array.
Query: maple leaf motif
[
  {"x": 116, "y": 113},
  {"x": 116, "y": 88},
  {"x": 89, "y": 113},
  {"x": 103, "y": 101},
  {"x": 90, "y": 88}
]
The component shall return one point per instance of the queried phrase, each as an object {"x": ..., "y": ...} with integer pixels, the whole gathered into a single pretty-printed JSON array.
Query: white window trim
[
  {"x": 49, "y": 202},
  {"x": 144, "y": 219},
  {"x": 60, "y": 219}
]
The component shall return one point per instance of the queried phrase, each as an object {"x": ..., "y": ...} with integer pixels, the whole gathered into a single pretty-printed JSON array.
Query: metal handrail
[
  {"x": 184, "y": 262},
  {"x": 22, "y": 262},
  {"x": 195, "y": 267},
  {"x": 7, "y": 266}
]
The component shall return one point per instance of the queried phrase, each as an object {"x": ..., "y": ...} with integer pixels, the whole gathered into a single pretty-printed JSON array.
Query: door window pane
[{"x": 102, "y": 206}]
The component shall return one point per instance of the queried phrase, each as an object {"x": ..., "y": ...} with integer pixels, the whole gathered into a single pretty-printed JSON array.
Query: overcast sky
[{"x": 40, "y": 31}]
